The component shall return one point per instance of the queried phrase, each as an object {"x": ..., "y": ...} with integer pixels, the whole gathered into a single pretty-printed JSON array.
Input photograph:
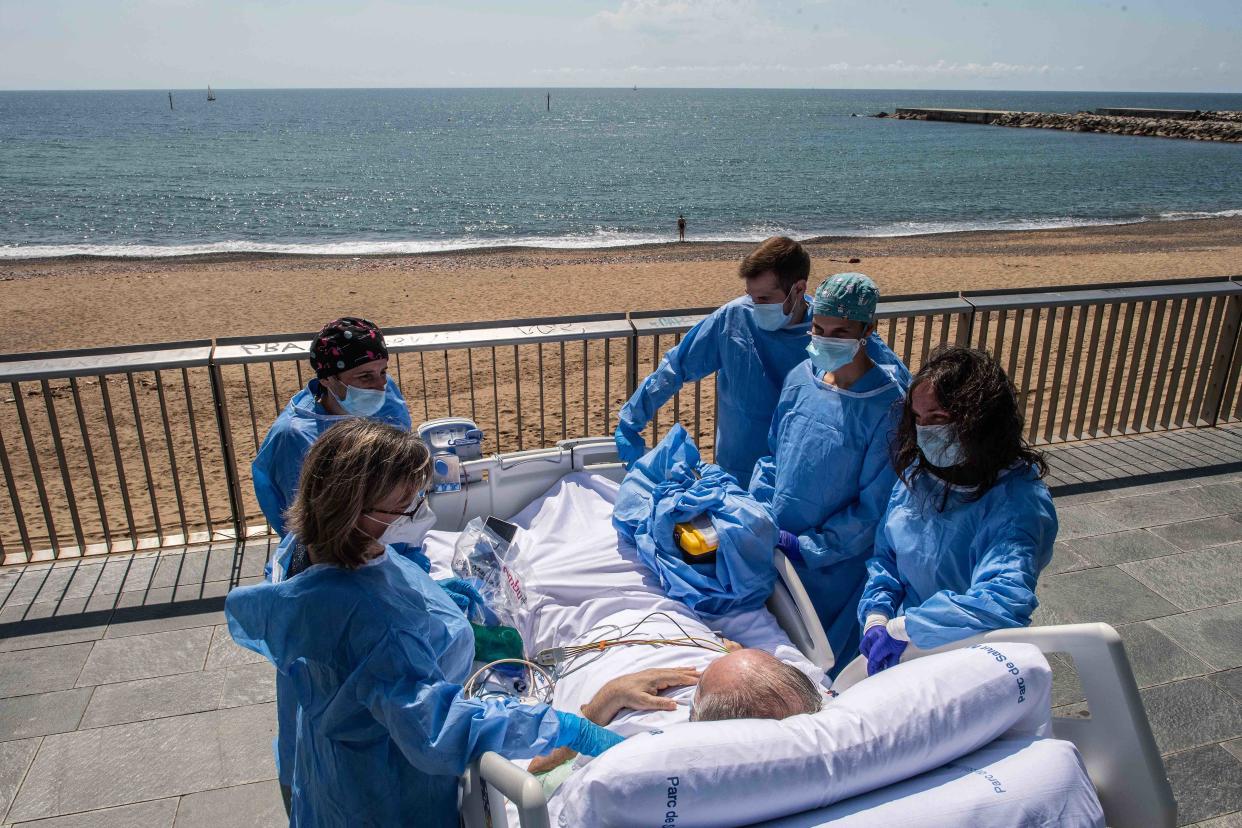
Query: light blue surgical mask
[
  {"x": 361, "y": 402},
  {"x": 940, "y": 445},
  {"x": 772, "y": 317},
  {"x": 828, "y": 353}
]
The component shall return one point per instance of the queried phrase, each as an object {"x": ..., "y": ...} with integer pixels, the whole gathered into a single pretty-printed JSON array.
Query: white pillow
[
  {"x": 902, "y": 722},
  {"x": 1009, "y": 782}
]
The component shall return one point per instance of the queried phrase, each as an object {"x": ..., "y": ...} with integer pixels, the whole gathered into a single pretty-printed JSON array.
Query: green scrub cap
[{"x": 847, "y": 295}]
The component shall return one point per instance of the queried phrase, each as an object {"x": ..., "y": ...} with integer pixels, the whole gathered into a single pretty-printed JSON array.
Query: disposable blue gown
[
  {"x": 671, "y": 485},
  {"x": 965, "y": 570},
  {"x": 457, "y": 647},
  {"x": 278, "y": 465},
  {"x": 750, "y": 366},
  {"x": 827, "y": 480},
  {"x": 383, "y": 730}
]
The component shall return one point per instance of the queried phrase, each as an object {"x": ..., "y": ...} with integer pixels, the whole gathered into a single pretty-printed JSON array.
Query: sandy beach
[{"x": 84, "y": 303}]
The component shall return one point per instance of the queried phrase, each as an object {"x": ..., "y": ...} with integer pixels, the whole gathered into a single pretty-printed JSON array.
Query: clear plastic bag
[{"x": 486, "y": 556}]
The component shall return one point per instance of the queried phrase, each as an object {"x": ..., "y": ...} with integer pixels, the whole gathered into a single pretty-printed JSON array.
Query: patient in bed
[{"x": 582, "y": 585}]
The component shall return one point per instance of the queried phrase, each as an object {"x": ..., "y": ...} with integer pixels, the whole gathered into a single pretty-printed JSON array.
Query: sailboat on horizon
[{"x": 211, "y": 96}]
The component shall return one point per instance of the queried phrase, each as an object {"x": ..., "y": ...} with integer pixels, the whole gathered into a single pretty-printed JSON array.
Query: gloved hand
[
  {"x": 464, "y": 595},
  {"x": 584, "y": 736},
  {"x": 881, "y": 649},
  {"x": 630, "y": 445},
  {"x": 788, "y": 543}
]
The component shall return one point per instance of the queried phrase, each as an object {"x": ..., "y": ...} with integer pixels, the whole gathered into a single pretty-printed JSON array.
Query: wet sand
[{"x": 74, "y": 303}]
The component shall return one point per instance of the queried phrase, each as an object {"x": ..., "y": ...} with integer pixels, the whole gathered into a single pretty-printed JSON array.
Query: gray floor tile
[
  {"x": 1207, "y": 782},
  {"x": 158, "y": 616},
  {"x": 22, "y": 717},
  {"x": 56, "y": 582},
  {"x": 1234, "y": 746},
  {"x": 1066, "y": 687},
  {"x": 224, "y": 653},
  {"x": 1233, "y": 820},
  {"x": 166, "y": 757},
  {"x": 40, "y": 628},
  {"x": 1155, "y": 658},
  {"x": 15, "y": 758},
  {"x": 249, "y": 684},
  {"x": 257, "y": 805},
  {"x": 39, "y": 671},
  {"x": 1065, "y": 559},
  {"x": 197, "y": 591},
  {"x": 146, "y": 656},
  {"x": 1213, "y": 635},
  {"x": 157, "y": 814},
  {"x": 1122, "y": 547},
  {"x": 1231, "y": 680},
  {"x": 1199, "y": 534},
  {"x": 153, "y": 698},
  {"x": 1089, "y": 496},
  {"x": 1084, "y": 520},
  {"x": 1218, "y": 498},
  {"x": 1106, "y": 594},
  {"x": 1191, "y": 713},
  {"x": 1150, "y": 509},
  {"x": 1194, "y": 580}
]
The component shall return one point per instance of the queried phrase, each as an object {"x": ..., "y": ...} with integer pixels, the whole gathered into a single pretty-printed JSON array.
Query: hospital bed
[{"x": 1116, "y": 742}]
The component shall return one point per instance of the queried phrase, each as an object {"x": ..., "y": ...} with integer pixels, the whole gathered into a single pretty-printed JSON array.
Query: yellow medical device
[{"x": 698, "y": 539}]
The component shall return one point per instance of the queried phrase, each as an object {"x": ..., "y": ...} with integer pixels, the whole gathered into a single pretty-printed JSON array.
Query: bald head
[{"x": 752, "y": 684}]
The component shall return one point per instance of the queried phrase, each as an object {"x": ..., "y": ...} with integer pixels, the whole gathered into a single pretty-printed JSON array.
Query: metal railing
[{"x": 117, "y": 449}]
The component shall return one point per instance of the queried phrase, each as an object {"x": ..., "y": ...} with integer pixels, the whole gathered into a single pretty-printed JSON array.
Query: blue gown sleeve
[
  {"x": 850, "y": 531},
  {"x": 695, "y": 357},
  {"x": 883, "y": 591},
  {"x": 1002, "y": 590},
  {"x": 275, "y": 476},
  {"x": 437, "y": 729}
]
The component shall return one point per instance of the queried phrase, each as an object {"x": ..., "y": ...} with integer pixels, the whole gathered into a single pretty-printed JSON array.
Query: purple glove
[
  {"x": 881, "y": 649},
  {"x": 788, "y": 543}
]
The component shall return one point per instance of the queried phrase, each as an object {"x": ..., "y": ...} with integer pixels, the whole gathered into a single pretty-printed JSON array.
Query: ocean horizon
[{"x": 391, "y": 171}]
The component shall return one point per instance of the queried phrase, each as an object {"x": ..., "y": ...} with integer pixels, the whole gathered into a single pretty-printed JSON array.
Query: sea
[{"x": 362, "y": 171}]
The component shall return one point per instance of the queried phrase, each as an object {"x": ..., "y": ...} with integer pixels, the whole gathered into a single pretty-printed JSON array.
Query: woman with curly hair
[{"x": 970, "y": 523}]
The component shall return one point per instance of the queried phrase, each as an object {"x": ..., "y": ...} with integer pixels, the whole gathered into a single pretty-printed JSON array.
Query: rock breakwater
[{"x": 1204, "y": 126}]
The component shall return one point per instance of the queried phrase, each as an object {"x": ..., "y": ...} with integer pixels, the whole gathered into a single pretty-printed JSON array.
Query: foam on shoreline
[{"x": 599, "y": 240}]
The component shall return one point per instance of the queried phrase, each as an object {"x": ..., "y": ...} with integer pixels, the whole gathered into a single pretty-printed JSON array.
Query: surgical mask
[
  {"x": 940, "y": 445},
  {"x": 828, "y": 353},
  {"x": 410, "y": 530},
  {"x": 361, "y": 402},
  {"x": 772, "y": 317}
]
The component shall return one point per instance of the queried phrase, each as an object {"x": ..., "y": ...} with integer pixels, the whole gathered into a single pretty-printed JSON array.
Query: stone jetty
[{"x": 1194, "y": 125}]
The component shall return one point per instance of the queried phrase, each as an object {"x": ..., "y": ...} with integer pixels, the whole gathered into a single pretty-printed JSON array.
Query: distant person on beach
[
  {"x": 350, "y": 361},
  {"x": 751, "y": 344},
  {"x": 681, "y": 228}
]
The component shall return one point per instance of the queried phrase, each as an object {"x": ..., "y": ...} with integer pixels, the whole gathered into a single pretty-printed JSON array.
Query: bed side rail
[
  {"x": 493, "y": 771},
  {"x": 796, "y": 614},
  {"x": 1116, "y": 743}
]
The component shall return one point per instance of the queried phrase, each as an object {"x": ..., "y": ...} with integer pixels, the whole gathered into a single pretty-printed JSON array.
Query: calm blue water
[{"x": 354, "y": 171}]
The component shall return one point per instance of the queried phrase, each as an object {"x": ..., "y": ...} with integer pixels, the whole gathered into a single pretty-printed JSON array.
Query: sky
[{"x": 1136, "y": 45}]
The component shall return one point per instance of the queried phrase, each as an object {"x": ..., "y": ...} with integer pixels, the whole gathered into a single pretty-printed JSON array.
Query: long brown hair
[
  {"x": 349, "y": 469},
  {"x": 974, "y": 389}
]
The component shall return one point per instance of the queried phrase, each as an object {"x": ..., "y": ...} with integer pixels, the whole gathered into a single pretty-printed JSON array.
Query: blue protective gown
[
  {"x": 457, "y": 647},
  {"x": 827, "y": 480},
  {"x": 383, "y": 731},
  {"x": 967, "y": 570},
  {"x": 278, "y": 465},
  {"x": 750, "y": 366}
]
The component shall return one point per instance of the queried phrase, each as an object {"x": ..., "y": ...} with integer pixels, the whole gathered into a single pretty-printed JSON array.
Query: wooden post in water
[
  {"x": 170, "y": 106},
  {"x": 549, "y": 102}
]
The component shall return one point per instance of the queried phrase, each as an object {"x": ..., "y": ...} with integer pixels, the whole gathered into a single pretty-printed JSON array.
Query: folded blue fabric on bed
[{"x": 671, "y": 484}]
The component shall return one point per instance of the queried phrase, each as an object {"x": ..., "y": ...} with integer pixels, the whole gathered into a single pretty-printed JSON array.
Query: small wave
[{"x": 600, "y": 238}]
